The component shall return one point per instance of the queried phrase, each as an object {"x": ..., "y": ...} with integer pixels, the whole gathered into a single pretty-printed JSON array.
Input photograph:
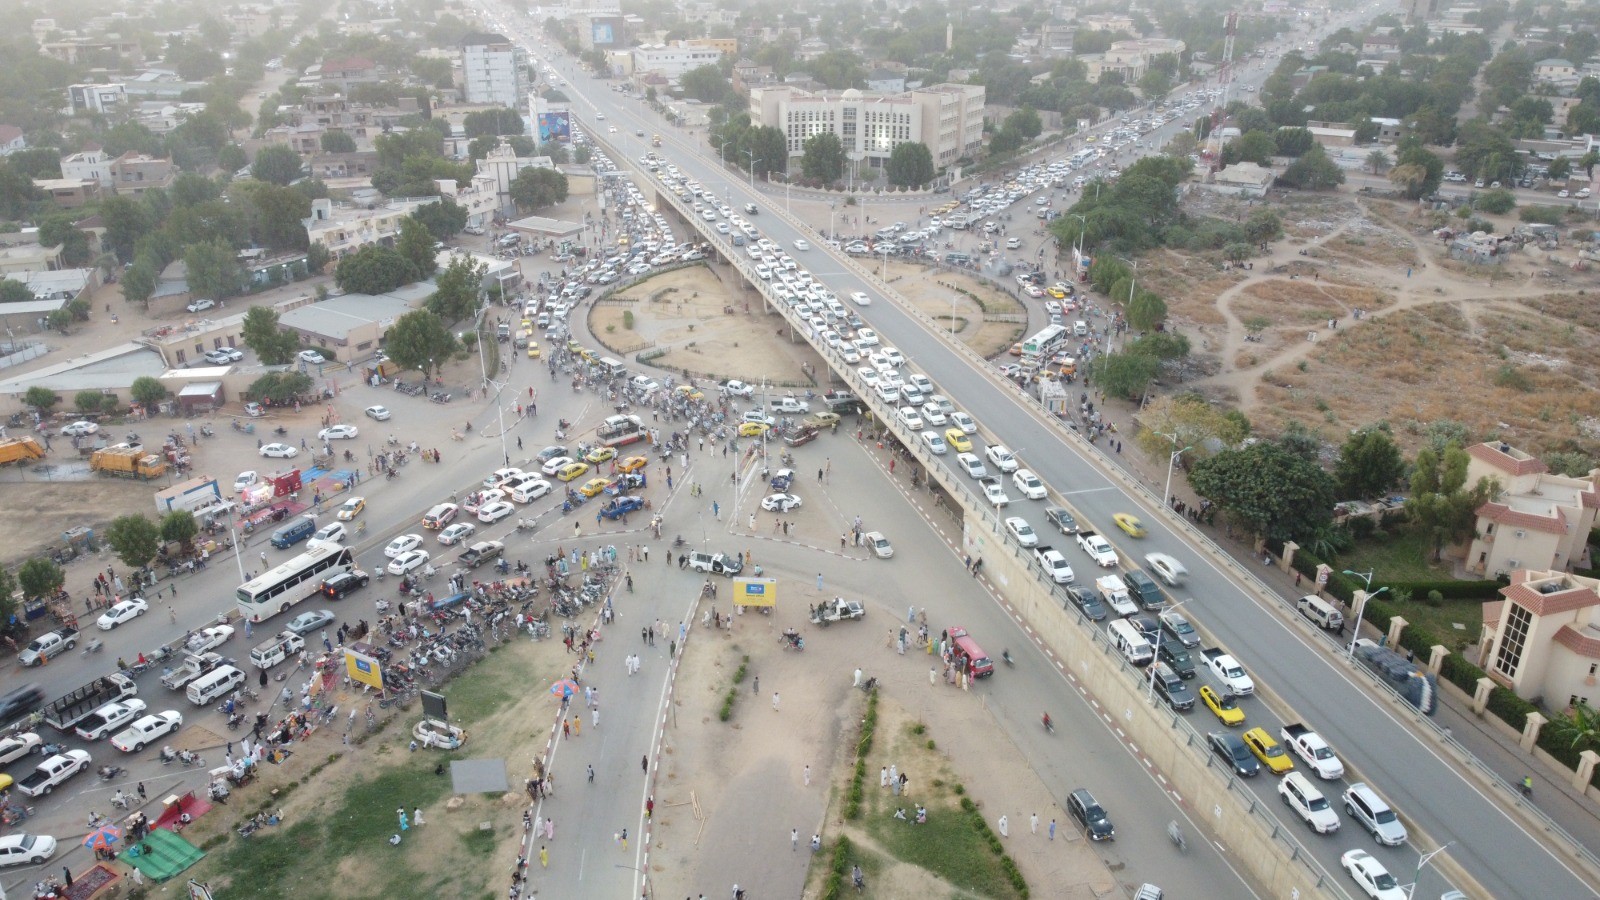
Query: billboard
[
  {"x": 606, "y": 32},
  {"x": 755, "y": 592},
  {"x": 555, "y": 127},
  {"x": 363, "y": 669}
]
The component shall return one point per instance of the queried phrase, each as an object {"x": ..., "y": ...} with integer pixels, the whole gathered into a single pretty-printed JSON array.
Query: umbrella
[
  {"x": 564, "y": 688},
  {"x": 103, "y": 837}
]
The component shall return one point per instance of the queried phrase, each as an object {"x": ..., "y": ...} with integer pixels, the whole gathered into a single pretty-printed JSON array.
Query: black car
[
  {"x": 1148, "y": 626},
  {"x": 1096, "y": 824},
  {"x": 1061, "y": 519},
  {"x": 1230, "y": 748},
  {"x": 1177, "y": 656},
  {"x": 20, "y": 702},
  {"x": 338, "y": 586},
  {"x": 1088, "y": 600}
]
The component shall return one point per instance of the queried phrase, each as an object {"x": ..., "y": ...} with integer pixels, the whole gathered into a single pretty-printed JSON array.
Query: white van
[
  {"x": 612, "y": 367},
  {"x": 1320, "y": 611},
  {"x": 213, "y": 685},
  {"x": 1080, "y": 328},
  {"x": 276, "y": 650},
  {"x": 1131, "y": 643}
]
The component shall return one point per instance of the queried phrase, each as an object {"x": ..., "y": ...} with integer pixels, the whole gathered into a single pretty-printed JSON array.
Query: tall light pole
[
  {"x": 1150, "y": 690},
  {"x": 499, "y": 408},
  {"x": 1172, "y": 461},
  {"x": 752, "y": 170},
  {"x": 1366, "y": 597},
  {"x": 1423, "y": 860}
]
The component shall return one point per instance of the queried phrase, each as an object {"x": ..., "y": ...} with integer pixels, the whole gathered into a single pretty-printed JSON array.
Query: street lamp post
[
  {"x": 1150, "y": 689},
  {"x": 1366, "y": 597},
  {"x": 1172, "y": 462},
  {"x": 752, "y": 170},
  {"x": 1423, "y": 860}
]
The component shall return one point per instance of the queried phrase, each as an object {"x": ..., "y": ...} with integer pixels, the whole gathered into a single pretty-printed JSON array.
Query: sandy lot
[{"x": 990, "y": 327}]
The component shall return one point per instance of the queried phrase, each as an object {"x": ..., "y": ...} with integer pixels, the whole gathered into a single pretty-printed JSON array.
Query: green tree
[
  {"x": 213, "y": 269},
  {"x": 1197, "y": 423},
  {"x": 1267, "y": 490},
  {"x": 148, "y": 392},
  {"x": 1252, "y": 146},
  {"x": 910, "y": 165},
  {"x": 89, "y": 402},
  {"x": 444, "y": 219},
  {"x": 135, "y": 539},
  {"x": 1417, "y": 171},
  {"x": 824, "y": 157},
  {"x": 1263, "y": 225},
  {"x": 1146, "y": 310},
  {"x": 1377, "y": 162},
  {"x": 536, "y": 188},
  {"x": 420, "y": 340},
  {"x": 179, "y": 527},
  {"x": 8, "y": 589},
  {"x": 1498, "y": 201},
  {"x": 39, "y": 577},
  {"x": 58, "y": 231},
  {"x": 1441, "y": 506},
  {"x": 415, "y": 243},
  {"x": 1124, "y": 374},
  {"x": 280, "y": 387},
  {"x": 41, "y": 398},
  {"x": 1313, "y": 171},
  {"x": 12, "y": 291},
  {"x": 770, "y": 148},
  {"x": 337, "y": 142},
  {"x": 277, "y": 215},
  {"x": 1025, "y": 122},
  {"x": 261, "y": 332},
  {"x": 374, "y": 270},
  {"x": 1485, "y": 151},
  {"x": 497, "y": 121},
  {"x": 1293, "y": 141},
  {"x": 459, "y": 287},
  {"x": 126, "y": 220},
  {"x": 276, "y": 164},
  {"x": 1560, "y": 168},
  {"x": 705, "y": 83},
  {"x": 1369, "y": 464}
]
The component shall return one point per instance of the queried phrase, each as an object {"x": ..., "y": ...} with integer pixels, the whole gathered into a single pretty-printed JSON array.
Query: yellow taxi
[
  {"x": 1056, "y": 293},
  {"x": 632, "y": 464},
  {"x": 821, "y": 420},
  {"x": 1016, "y": 349},
  {"x": 533, "y": 350},
  {"x": 1223, "y": 707},
  {"x": 572, "y": 470},
  {"x": 1129, "y": 523},
  {"x": 588, "y": 355},
  {"x": 573, "y": 346},
  {"x": 351, "y": 508},
  {"x": 1269, "y": 751},
  {"x": 958, "y": 440},
  {"x": 601, "y": 454},
  {"x": 690, "y": 391},
  {"x": 752, "y": 429},
  {"x": 594, "y": 486}
]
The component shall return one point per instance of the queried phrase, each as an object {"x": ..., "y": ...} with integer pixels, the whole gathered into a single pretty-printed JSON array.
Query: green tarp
[{"x": 162, "y": 855}]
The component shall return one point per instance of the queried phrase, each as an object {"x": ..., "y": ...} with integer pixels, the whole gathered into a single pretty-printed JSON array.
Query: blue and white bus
[{"x": 286, "y": 584}]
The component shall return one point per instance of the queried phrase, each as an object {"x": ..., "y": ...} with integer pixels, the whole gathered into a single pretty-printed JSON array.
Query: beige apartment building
[
  {"x": 948, "y": 118},
  {"x": 1538, "y": 520},
  {"x": 343, "y": 230},
  {"x": 1543, "y": 640}
]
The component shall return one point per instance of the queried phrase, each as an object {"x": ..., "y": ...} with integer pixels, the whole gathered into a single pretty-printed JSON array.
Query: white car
[
  {"x": 1166, "y": 568},
  {"x": 338, "y": 433},
  {"x": 964, "y": 422},
  {"x": 557, "y": 464},
  {"x": 1029, "y": 484},
  {"x": 244, "y": 480},
  {"x": 936, "y": 444},
  {"x": 126, "y": 611},
  {"x": 894, "y": 356},
  {"x": 378, "y": 413},
  {"x": 455, "y": 534},
  {"x": 737, "y": 389},
  {"x": 108, "y": 718},
  {"x": 19, "y": 745},
  {"x": 409, "y": 561},
  {"x": 860, "y": 299},
  {"x": 312, "y": 357},
  {"x": 1374, "y": 879},
  {"x": 80, "y": 428},
  {"x": 402, "y": 545},
  {"x": 933, "y": 415},
  {"x": 30, "y": 849},
  {"x": 869, "y": 376},
  {"x": 499, "y": 477},
  {"x": 495, "y": 511},
  {"x": 802, "y": 244},
  {"x": 222, "y": 356},
  {"x": 144, "y": 731},
  {"x": 530, "y": 490},
  {"x": 1022, "y": 531},
  {"x": 911, "y": 417},
  {"x": 972, "y": 465},
  {"x": 867, "y": 336},
  {"x": 879, "y": 544},
  {"x": 1001, "y": 457},
  {"x": 201, "y": 305},
  {"x": 328, "y": 534},
  {"x": 780, "y": 502},
  {"x": 279, "y": 451}
]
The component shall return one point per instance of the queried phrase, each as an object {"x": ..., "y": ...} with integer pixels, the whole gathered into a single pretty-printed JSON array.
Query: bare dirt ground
[
  {"x": 1432, "y": 331},
  {"x": 687, "y": 312},
  {"x": 44, "y": 509},
  {"x": 984, "y": 325}
]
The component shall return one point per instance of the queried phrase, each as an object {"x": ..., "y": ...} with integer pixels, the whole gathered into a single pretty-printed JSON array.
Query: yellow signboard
[
  {"x": 363, "y": 668},
  {"x": 755, "y": 592}
]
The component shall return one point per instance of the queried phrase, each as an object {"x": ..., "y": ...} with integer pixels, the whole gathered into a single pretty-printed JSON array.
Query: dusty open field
[
  {"x": 41, "y": 509},
  {"x": 980, "y": 324}
]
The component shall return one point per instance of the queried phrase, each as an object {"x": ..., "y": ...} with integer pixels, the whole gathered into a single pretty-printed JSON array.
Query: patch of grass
[
  {"x": 480, "y": 692},
  {"x": 1441, "y": 620},
  {"x": 480, "y": 842},
  {"x": 949, "y": 847},
  {"x": 1403, "y": 556}
]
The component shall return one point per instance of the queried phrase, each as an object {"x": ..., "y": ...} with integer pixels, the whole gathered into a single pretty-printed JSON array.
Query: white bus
[
  {"x": 1037, "y": 350},
  {"x": 286, "y": 584}
]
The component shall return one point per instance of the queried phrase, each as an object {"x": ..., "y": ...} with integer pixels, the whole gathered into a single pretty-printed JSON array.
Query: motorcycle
[
  {"x": 524, "y": 525},
  {"x": 440, "y": 397},
  {"x": 207, "y": 431},
  {"x": 107, "y": 773},
  {"x": 1049, "y": 725},
  {"x": 1006, "y": 655},
  {"x": 679, "y": 541},
  {"x": 280, "y": 431},
  {"x": 235, "y": 720}
]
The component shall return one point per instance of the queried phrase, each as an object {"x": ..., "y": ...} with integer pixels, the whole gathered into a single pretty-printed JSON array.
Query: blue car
[{"x": 621, "y": 506}]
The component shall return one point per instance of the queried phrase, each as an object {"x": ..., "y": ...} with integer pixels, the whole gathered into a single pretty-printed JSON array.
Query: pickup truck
[
  {"x": 994, "y": 492},
  {"x": 836, "y": 610},
  {"x": 1228, "y": 670},
  {"x": 1054, "y": 564},
  {"x": 193, "y": 667},
  {"x": 480, "y": 553},
  {"x": 1098, "y": 548},
  {"x": 1116, "y": 594},
  {"x": 109, "y": 718},
  {"x": 65, "y": 712},
  {"x": 716, "y": 563},
  {"x": 1309, "y": 746},
  {"x": 54, "y": 771},
  {"x": 621, "y": 506},
  {"x": 48, "y": 645}
]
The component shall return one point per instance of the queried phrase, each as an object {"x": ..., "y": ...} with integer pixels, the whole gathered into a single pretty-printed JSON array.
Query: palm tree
[
  {"x": 1583, "y": 725},
  {"x": 1378, "y": 162}
]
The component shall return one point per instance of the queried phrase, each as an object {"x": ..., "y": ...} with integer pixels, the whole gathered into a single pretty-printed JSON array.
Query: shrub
[
  {"x": 1544, "y": 215},
  {"x": 627, "y": 319}
]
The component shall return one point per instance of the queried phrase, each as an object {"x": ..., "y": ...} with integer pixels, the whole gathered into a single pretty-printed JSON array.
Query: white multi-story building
[
  {"x": 501, "y": 167},
  {"x": 673, "y": 61},
  {"x": 494, "y": 70},
  {"x": 948, "y": 118},
  {"x": 344, "y": 230}
]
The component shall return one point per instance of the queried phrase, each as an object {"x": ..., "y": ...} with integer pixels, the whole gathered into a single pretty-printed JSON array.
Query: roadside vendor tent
[{"x": 162, "y": 854}]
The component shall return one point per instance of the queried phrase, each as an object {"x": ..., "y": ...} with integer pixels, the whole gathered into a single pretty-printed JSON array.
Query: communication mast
[{"x": 1230, "y": 27}]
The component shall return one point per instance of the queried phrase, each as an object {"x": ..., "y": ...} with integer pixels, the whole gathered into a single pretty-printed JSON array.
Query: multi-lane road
[{"x": 1428, "y": 791}]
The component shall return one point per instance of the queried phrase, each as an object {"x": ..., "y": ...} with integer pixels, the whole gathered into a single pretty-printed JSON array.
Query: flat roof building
[{"x": 947, "y": 118}]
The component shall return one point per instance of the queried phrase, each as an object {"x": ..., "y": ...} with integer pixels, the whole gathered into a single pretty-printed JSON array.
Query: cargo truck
[
  {"x": 123, "y": 461},
  {"x": 21, "y": 450},
  {"x": 67, "y": 711},
  {"x": 618, "y": 431}
]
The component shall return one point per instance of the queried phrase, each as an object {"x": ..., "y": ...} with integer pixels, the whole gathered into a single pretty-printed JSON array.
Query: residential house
[
  {"x": 341, "y": 73},
  {"x": 342, "y": 230},
  {"x": 89, "y": 164},
  {"x": 1106, "y": 22},
  {"x": 134, "y": 173},
  {"x": 1389, "y": 130},
  {"x": 1542, "y": 641},
  {"x": 96, "y": 99},
  {"x": 884, "y": 81},
  {"x": 1555, "y": 71},
  {"x": 1130, "y": 59},
  {"x": 12, "y": 140},
  {"x": 502, "y": 165},
  {"x": 1245, "y": 179},
  {"x": 673, "y": 60},
  {"x": 1332, "y": 134},
  {"x": 69, "y": 193},
  {"x": 747, "y": 75},
  {"x": 1379, "y": 45},
  {"x": 1537, "y": 520}
]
